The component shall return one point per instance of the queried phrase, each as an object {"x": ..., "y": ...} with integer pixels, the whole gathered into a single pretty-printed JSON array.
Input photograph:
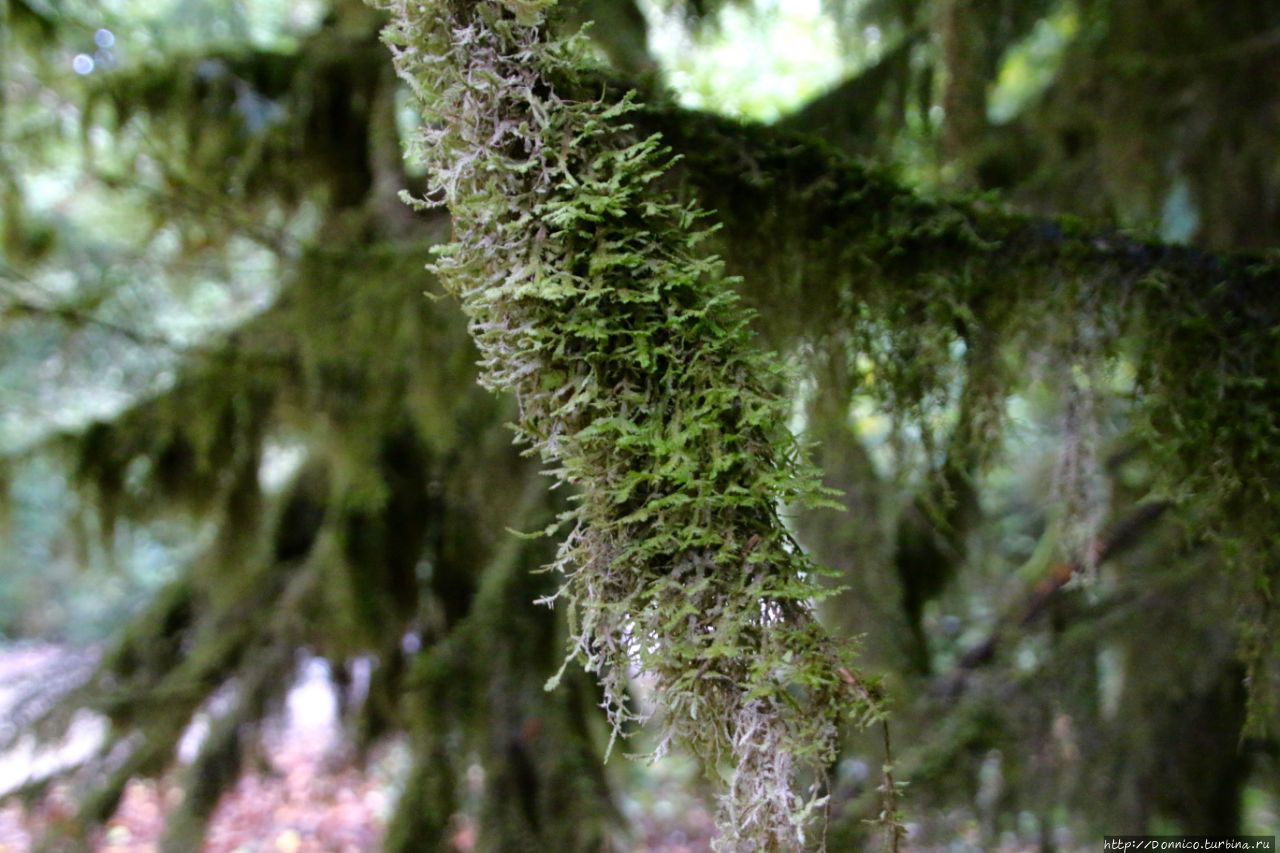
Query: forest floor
[{"x": 297, "y": 799}]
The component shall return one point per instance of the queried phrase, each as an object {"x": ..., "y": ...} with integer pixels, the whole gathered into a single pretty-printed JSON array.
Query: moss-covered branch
[{"x": 636, "y": 378}]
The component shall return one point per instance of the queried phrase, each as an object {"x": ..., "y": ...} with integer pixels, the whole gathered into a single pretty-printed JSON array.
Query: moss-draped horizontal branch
[
  {"x": 820, "y": 238},
  {"x": 833, "y": 250}
]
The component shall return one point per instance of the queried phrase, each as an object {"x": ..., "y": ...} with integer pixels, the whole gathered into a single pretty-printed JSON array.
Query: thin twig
[{"x": 892, "y": 826}]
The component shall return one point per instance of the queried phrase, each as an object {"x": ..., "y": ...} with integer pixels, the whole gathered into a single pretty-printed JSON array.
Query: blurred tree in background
[{"x": 1016, "y": 254}]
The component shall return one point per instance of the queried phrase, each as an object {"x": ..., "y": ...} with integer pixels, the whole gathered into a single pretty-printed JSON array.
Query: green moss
[{"x": 637, "y": 380}]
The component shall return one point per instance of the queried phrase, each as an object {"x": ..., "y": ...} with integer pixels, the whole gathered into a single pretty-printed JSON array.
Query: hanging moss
[
  {"x": 234, "y": 125},
  {"x": 905, "y": 278}
]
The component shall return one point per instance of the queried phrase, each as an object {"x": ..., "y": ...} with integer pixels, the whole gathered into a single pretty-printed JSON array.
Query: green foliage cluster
[{"x": 632, "y": 365}]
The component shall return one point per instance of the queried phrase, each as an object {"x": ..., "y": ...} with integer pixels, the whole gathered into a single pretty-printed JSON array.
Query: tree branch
[
  {"x": 1123, "y": 536},
  {"x": 757, "y": 177}
]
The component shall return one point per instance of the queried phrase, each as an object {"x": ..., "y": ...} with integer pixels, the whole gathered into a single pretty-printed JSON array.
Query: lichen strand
[{"x": 633, "y": 368}]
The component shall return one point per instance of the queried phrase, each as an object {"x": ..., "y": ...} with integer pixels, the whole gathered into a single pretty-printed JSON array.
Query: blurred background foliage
[{"x": 235, "y": 435}]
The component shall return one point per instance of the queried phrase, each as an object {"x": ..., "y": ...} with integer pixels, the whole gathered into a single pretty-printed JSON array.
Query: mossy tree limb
[{"x": 636, "y": 378}]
